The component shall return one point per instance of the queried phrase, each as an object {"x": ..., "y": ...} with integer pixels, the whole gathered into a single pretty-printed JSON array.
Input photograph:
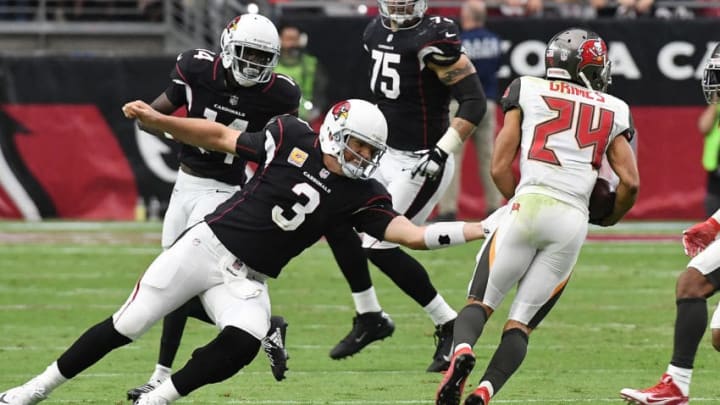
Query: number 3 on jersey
[
  {"x": 385, "y": 68},
  {"x": 300, "y": 210},
  {"x": 587, "y": 133}
]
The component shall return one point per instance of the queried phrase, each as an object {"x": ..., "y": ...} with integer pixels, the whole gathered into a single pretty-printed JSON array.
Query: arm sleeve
[{"x": 511, "y": 97}]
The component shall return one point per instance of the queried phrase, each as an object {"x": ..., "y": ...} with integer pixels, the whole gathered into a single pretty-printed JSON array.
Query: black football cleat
[
  {"x": 274, "y": 346},
  {"x": 367, "y": 328},
  {"x": 134, "y": 393},
  {"x": 443, "y": 350}
]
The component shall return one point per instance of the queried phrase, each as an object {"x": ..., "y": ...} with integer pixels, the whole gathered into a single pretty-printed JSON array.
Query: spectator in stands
[
  {"x": 483, "y": 48},
  {"x": 151, "y": 10},
  {"x": 305, "y": 69},
  {"x": 19, "y": 10},
  {"x": 624, "y": 8},
  {"x": 708, "y": 125},
  {"x": 521, "y": 8}
]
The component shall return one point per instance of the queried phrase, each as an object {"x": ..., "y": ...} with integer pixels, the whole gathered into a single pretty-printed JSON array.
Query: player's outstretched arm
[
  {"x": 434, "y": 236},
  {"x": 622, "y": 160},
  {"x": 193, "y": 131}
]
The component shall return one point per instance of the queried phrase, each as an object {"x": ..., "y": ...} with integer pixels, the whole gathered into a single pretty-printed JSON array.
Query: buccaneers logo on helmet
[{"x": 592, "y": 52}]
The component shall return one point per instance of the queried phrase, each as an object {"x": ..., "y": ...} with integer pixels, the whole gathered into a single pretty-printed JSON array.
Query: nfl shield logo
[
  {"x": 324, "y": 173},
  {"x": 233, "y": 100}
]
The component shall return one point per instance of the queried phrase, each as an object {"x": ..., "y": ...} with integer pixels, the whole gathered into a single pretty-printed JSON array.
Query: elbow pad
[{"x": 471, "y": 98}]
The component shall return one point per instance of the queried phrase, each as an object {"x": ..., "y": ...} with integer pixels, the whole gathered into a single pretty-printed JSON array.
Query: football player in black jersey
[
  {"x": 236, "y": 88},
  {"x": 417, "y": 66},
  {"x": 304, "y": 184}
]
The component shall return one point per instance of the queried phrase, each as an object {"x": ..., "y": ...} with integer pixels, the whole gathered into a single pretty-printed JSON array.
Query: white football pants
[
  {"x": 191, "y": 200},
  {"x": 197, "y": 264},
  {"x": 534, "y": 247}
]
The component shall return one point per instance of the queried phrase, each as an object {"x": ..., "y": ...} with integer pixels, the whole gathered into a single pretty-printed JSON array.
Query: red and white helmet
[
  {"x": 357, "y": 119},
  {"x": 250, "y": 48}
]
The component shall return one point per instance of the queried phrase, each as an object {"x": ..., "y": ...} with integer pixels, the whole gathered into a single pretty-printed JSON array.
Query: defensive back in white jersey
[{"x": 566, "y": 129}]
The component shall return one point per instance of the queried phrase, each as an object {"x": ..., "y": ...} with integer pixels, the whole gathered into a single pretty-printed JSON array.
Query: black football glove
[{"x": 430, "y": 164}]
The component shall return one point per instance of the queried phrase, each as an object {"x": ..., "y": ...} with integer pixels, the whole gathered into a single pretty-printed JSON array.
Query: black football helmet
[
  {"x": 711, "y": 77},
  {"x": 579, "y": 56}
]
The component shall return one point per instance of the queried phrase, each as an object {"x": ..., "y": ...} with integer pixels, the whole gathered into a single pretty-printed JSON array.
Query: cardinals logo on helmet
[
  {"x": 592, "y": 52},
  {"x": 233, "y": 23},
  {"x": 341, "y": 110}
]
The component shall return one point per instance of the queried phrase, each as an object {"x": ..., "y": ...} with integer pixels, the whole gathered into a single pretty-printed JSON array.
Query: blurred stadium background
[{"x": 66, "y": 68}]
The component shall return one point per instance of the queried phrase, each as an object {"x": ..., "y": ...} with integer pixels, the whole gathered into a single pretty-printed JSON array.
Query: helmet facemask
[
  {"x": 357, "y": 166},
  {"x": 402, "y": 14},
  {"x": 599, "y": 78},
  {"x": 711, "y": 81},
  {"x": 252, "y": 64}
]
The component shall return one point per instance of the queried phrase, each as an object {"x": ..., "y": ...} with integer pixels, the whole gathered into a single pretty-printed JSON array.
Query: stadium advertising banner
[{"x": 67, "y": 151}]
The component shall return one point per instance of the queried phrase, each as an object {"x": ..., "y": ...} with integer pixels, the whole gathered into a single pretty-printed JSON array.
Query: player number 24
[{"x": 587, "y": 133}]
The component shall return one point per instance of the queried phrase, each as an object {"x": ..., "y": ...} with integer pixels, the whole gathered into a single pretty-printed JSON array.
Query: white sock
[
  {"x": 681, "y": 377},
  {"x": 461, "y": 346},
  {"x": 50, "y": 378},
  {"x": 440, "y": 312},
  {"x": 489, "y": 387},
  {"x": 366, "y": 301},
  {"x": 167, "y": 391},
  {"x": 161, "y": 373}
]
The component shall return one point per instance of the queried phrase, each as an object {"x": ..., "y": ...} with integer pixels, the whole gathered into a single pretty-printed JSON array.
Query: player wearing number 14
[{"x": 561, "y": 127}]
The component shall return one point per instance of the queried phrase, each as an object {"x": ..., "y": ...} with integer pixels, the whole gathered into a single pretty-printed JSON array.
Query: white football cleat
[
  {"x": 28, "y": 394},
  {"x": 147, "y": 399}
]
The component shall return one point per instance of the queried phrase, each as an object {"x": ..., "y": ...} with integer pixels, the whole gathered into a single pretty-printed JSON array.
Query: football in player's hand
[{"x": 602, "y": 201}]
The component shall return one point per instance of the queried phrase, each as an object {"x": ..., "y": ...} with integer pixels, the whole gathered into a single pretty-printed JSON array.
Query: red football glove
[{"x": 699, "y": 236}]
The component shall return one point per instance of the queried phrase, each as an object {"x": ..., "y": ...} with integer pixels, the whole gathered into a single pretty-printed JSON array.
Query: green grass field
[{"x": 611, "y": 329}]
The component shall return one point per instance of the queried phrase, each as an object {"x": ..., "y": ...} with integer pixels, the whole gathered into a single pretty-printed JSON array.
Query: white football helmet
[
  {"x": 711, "y": 77},
  {"x": 357, "y": 119},
  {"x": 250, "y": 48},
  {"x": 402, "y": 12}
]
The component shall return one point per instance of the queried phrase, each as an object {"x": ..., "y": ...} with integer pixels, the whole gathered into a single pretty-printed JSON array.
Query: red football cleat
[
  {"x": 480, "y": 396},
  {"x": 666, "y": 392},
  {"x": 451, "y": 387}
]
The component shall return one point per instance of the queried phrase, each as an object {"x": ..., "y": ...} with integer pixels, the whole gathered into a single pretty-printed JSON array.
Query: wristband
[
  {"x": 444, "y": 234},
  {"x": 450, "y": 142}
]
